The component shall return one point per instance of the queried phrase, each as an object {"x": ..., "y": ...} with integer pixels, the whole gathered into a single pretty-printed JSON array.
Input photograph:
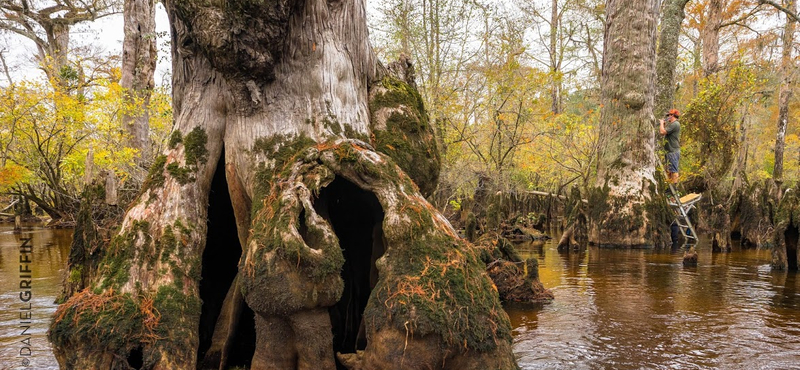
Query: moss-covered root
[
  {"x": 401, "y": 128},
  {"x": 142, "y": 309},
  {"x": 109, "y": 330},
  {"x": 85, "y": 250},
  {"x": 787, "y": 225},
  {"x": 422, "y": 352},
  {"x": 507, "y": 271},
  {"x": 432, "y": 303},
  {"x": 513, "y": 284}
]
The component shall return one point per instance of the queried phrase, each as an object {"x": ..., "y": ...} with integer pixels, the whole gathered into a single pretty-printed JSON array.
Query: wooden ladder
[{"x": 681, "y": 206}]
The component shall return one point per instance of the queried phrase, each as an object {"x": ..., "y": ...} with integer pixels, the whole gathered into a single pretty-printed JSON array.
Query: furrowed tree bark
[
  {"x": 710, "y": 37},
  {"x": 787, "y": 76},
  {"x": 626, "y": 210},
  {"x": 138, "y": 71},
  {"x": 667, "y": 54},
  {"x": 326, "y": 159}
]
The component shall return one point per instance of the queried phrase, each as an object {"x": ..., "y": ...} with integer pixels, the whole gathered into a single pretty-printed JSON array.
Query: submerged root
[{"x": 507, "y": 271}]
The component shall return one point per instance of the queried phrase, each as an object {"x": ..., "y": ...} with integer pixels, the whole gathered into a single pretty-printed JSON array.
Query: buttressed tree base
[{"x": 285, "y": 223}]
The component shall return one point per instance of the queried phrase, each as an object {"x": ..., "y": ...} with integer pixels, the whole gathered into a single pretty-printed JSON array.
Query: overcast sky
[{"x": 105, "y": 34}]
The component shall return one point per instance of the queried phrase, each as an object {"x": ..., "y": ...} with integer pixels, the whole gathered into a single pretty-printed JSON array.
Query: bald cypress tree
[
  {"x": 626, "y": 210},
  {"x": 285, "y": 226}
]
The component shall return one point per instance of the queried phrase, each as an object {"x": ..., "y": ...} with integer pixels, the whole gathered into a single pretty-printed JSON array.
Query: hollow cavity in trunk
[
  {"x": 356, "y": 217},
  {"x": 220, "y": 266},
  {"x": 791, "y": 237}
]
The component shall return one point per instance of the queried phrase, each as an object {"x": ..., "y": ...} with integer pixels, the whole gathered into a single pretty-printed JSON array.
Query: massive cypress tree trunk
[
  {"x": 626, "y": 211},
  {"x": 325, "y": 245},
  {"x": 667, "y": 55}
]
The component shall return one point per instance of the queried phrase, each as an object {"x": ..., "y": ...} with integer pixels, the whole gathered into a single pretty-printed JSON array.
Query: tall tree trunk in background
[
  {"x": 710, "y": 37},
  {"x": 138, "y": 70},
  {"x": 54, "y": 18},
  {"x": 55, "y": 57},
  {"x": 625, "y": 198},
  {"x": 667, "y": 54},
  {"x": 404, "y": 25},
  {"x": 317, "y": 233},
  {"x": 787, "y": 75},
  {"x": 555, "y": 63}
]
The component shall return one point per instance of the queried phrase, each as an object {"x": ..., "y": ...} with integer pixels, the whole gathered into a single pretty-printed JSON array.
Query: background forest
[{"x": 512, "y": 89}]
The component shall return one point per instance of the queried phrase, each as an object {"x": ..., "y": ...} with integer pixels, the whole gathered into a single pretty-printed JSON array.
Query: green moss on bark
[
  {"x": 108, "y": 320},
  {"x": 182, "y": 175},
  {"x": 431, "y": 282},
  {"x": 114, "y": 324},
  {"x": 402, "y": 130},
  {"x": 155, "y": 178},
  {"x": 195, "y": 155},
  {"x": 280, "y": 150},
  {"x": 286, "y": 275},
  {"x": 115, "y": 266},
  {"x": 194, "y": 144},
  {"x": 174, "y": 139}
]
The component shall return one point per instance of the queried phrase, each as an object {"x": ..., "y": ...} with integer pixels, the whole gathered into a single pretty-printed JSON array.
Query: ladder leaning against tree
[{"x": 681, "y": 206}]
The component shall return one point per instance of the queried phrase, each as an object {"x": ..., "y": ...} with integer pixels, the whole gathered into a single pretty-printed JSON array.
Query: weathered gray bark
[
  {"x": 311, "y": 126},
  {"x": 625, "y": 206},
  {"x": 710, "y": 37},
  {"x": 138, "y": 71},
  {"x": 667, "y": 54},
  {"x": 787, "y": 75}
]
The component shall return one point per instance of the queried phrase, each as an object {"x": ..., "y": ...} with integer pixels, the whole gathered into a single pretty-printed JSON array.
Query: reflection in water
[
  {"x": 48, "y": 260},
  {"x": 632, "y": 309},
  {"x": 614, "y": 309}
]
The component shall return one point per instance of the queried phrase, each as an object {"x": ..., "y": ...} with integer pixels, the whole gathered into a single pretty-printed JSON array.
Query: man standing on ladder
[{"x": 672, "y": 131}]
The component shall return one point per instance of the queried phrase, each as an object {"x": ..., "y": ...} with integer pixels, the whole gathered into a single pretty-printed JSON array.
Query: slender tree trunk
[
  {"x": 555, "y": 68},
  {"x": 710, "y": 37},
  {"x": 667, "y": 54},
  {"x": 323, "y": 153},
  {"x": 138, "y": 69},
  {"x": 624, "y": 200},
  {"x": 787, "y": 75}
]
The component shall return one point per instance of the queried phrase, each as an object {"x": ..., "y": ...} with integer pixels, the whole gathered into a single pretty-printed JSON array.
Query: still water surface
[
  {"x": 49, "y": 258},
  {"x": 634, "y": 309},
  {"x": 614, "y": 309}
]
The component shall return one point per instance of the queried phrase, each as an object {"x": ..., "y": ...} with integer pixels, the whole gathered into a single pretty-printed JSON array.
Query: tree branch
[
  {"x": 788, "y": 12},
  {"x": 5, "y": 67},
  {"x": 740, "y": 19}
]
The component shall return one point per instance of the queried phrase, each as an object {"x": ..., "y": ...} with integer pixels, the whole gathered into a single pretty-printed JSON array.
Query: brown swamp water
[
  {"x": 48, "y": 260},
  {"x": 614, "y": 309},
  {"x": 641, "y": 309}
]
